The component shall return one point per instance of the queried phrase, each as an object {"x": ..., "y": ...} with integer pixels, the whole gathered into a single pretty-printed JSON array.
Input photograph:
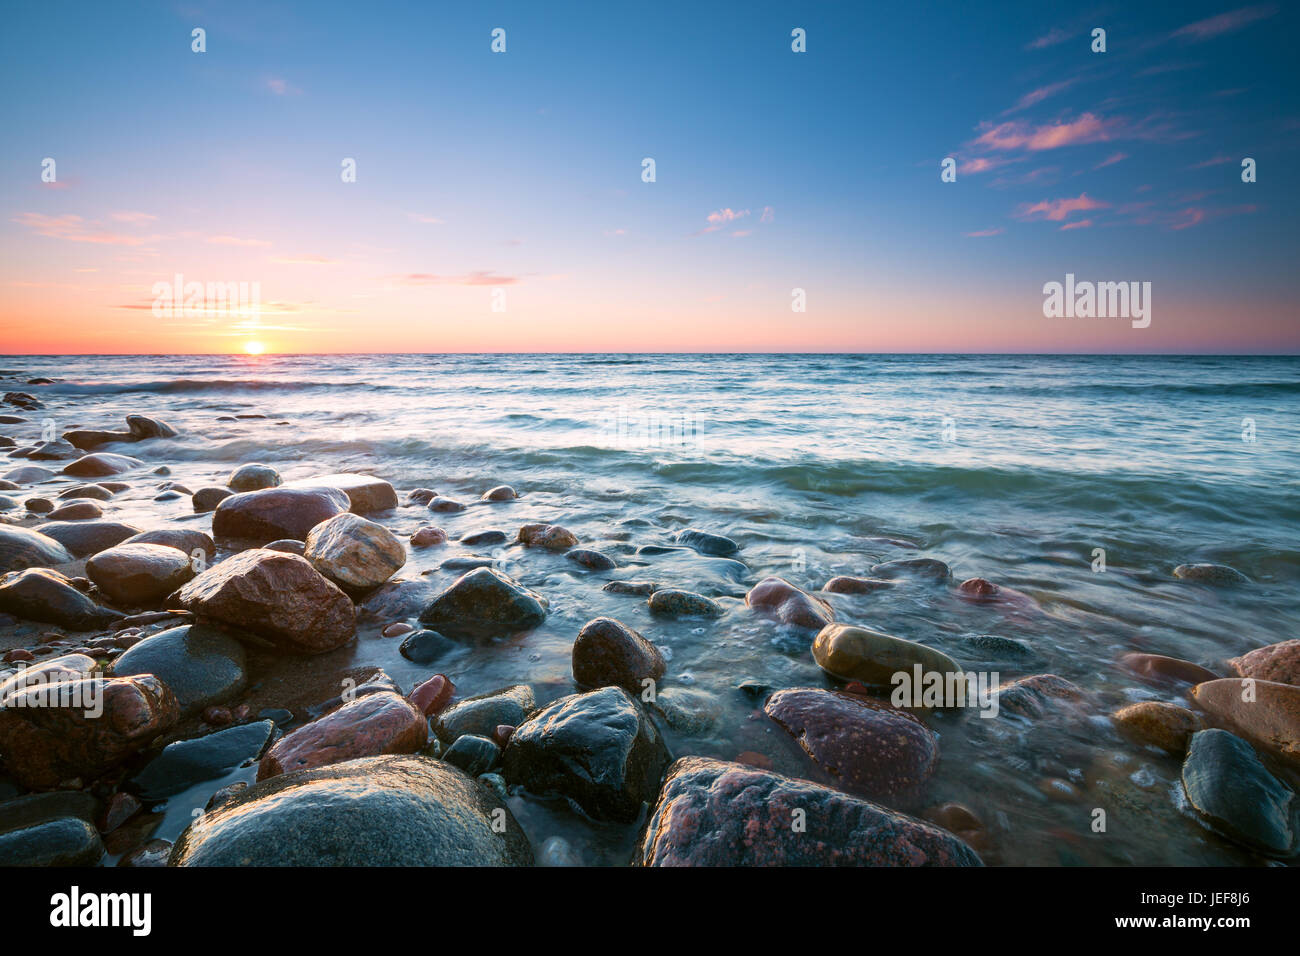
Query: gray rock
[
  {"x": 482, "y": 714},
  {"x": 22, "y": 548},
  {"x": 484, "y": 603},
  {"x": 1229, "y": 787},
  {"x": 185, "y": 763},
  {"x": 376, "y": 811},
  {"x": 253, "y": 477},
  {"x": 474, "y": 754},
  {"x": 50, "y": 829},
  {"x": 1215, "y": 575},
  {"x": 84, "y": 538},
  {"x": 39, "y": 594},
  {"x": 706, "y": 543},
  {"x": 203, "y": 664}
]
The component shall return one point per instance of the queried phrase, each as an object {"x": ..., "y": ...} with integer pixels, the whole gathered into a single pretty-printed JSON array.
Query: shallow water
[{"x": 1012, "y": 468}]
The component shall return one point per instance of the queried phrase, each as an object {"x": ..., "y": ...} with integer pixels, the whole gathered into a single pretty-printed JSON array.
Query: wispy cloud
[
  {"x": 983, "y": 233},
  {"x": 305, "y": 260},
  {"x": 236, "y": 241},
  {"x": 720, "y": 218},
  {"x": 1056, "y": 210},
  {"x": 1088, "y": 128},
  {"x": 281, "y": 87},
  {"x": 1081, "y": 224},
  {"x": 1051, "y": 38},
  {"x": 1036, "y": 96},
  {"x": 470, "y": 278},
  {"x": 75, "y": 229},
  {"x": 132, "y": 217},
  {"x": 1212, "y": 161},
  {"x": 1229, "y": 22},
  {"x": 1111, "y": 160},
  {"x": 427, "y": 220}
]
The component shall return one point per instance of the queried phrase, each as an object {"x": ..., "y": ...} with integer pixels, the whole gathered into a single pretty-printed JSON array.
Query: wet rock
[
  {"x": 789, "y": 605},
  {"x": 484, "y": 603},
  {"x": 873, "y": 657},
  {"x": 207, "y": 499},
  {"x": 960, "y": 821},
  {"x": 706, "y": 543},
  {"x": 421, "y": 496},
  {"x": 39, "y": 506},
  {"x": 865, "y": 746},
  {"x": 380, "y": 723},
  {"x": 253, "y": 477},
  {"x": 366, "y": 493},
  {"x": 846, "y": 584},
  {"x": 1279, "y": 663},
  {"x": 1035, "y": 696},
  {"x": 599, "y": 749},
  {"x": 101, "y": 465},
  {"x": 550, "y": 537},
  {"x": 689, "y": 712},
  {"x": 139, "y": 575},
  {"x": 482, "y": 714},
  {"x": 428, "y": 536},
  {"x": 39, "y": 594},
  {"x": 139, "y": 428},
  {"x": 500, "y": 493},
  {"x": 991, "y": 649},
  {"x": 354, "y": 553},
  {"x": 185, "y": 763},
  {"x": 119, "y": 808},
  {"x": 1158, "y": 724},
  {"x": 608, "y": 652},
  {"x": 29, "y": 474},
  {"x": 473, "y": 754},
  {"x": 84, "y": 538},
  {"x": 258, "y": 517},
  {"x": 1229, "y": 788},
  {"x": 445, "y": 505},
  {"x": 21, "y": 548},
  {"x": 96, "y": 725},
  {"x": 49, "y": 829},
  {"x": 1215, "y": 575},
  {"x": 1266, "y": 713},
  {"x": 1165, "y": 671},
  {"x": 432, "y": 697},
  {"x": 279, "y": 597},
  {"x": 57, "y": 450},
  {"x": 94, "y": 492},
  {"x": 715, "y": 813},
  {"x": 182, "y": 539},
  {"x": 930, "y": 569},
  {"x": 288, "y": 546},
  {"x": 376, "y": 811},
  {"x": 465, "y": 564},
  {"x": 642, "y": 588},
  {"x": 425, "y": 646},
  {"x": 985, "y": 592},
  {"x": 484, "y": 537},
  {"x": 201, "y": 663},
  {"x": 672, "y": 602},
  {"x": 594, "y": 560}
]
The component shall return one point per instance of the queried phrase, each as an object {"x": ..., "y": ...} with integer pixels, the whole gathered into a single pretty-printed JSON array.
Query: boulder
[
  {"x": 706, "y": 543},
  {"x": 1266, "y": 713},
  {"x": 674, "y": 602},
  {"x": 376, "y": 811},
  {"x": 1279, "y": 663},
  {"x": 599, "y": 749},
  {"x": 789, "y": 605},
  {"x": 873, "y": 657},
  {"x": 1229, "y": 787},
  {"x": 185, "y": 763},
  {"x": 279, "y": 597},
  {"x": 483, "y": 713},
  {"x": 255, "y": 518},
  {"x": 863, "y": 745},
  {"x": 101, "y": 465},
  {"x": 720, "y": 814},
  {"x": 366, "y": 493},
  {"x": 202, "y": 664},
  {"x": 76, "y": 730},
  {"x": 22, "y": 548},
  {"x": 550, "y": 537},
  {"x": 39, "y": 594},
  {"x": 484, "y": 603},
  {"x": 84, "y": 538},
  {"x": 354, "y": 553},
  {"x": 609, "y": 653},
  {"x": 139, "y": 575},
  {"x": 379, "y": 723},
  {"x": 253, "y": 477}
]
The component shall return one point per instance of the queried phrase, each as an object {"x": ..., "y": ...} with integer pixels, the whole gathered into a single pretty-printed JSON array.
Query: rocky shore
[{"x": 147, "y": 664}]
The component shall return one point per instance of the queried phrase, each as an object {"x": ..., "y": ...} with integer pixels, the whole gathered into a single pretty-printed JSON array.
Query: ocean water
[{"x": 1012, "y": 468}]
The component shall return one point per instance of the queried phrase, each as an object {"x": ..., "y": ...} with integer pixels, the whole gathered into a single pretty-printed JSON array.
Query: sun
[{"x": 254, "y": 348}]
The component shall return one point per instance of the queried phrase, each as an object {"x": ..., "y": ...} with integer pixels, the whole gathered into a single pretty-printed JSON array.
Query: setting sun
[{"x": 254, "y": 348}]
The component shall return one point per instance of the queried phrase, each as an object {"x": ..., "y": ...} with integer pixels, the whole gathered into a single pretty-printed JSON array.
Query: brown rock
[
  {"x": 1271, "y": 720},
  {"x": 609, "y": 652},
  {"x": 1166, "y": 671},
  {"x": 428, "y": 536},
  {"x": 1279, "y": 663},
  {"x": 433, "y": 696},
  {"x": 864, "y": 745},
  {"x": 380, "y": 723},
  {"x": 279, "y": 597},
  {"x": 845, "y": 584},
  {"x": 1159, "y": 724},
  {"x": 100, "y": 465},
  {"x": 549, "y": 536},
  {"x": 77, "y": 511},
  {"x": 366, "y": 493},
  {"x": 789, "y": 604},
  {"x": 259, "y": 517},
  {"x": 136, "y": 575}
]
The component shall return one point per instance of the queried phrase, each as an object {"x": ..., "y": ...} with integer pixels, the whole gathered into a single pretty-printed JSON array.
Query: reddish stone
[
  {"x": 120, "y": 808},
  {"x": 789, "y": 604},
  {"x": 549, "y": 536},
  {"x": 864, "y": 745},
  {"x": 433, "y": 696},
  {"x": 1279, "y": 663},
  {"x": 1157, "y": 669},
  {"x": 502, "y": 734},
  {"x": 846, "y": 584},
  {"x": 19, "y": 654},
  {"x": 380, "y": 723},
  {"x": 396, "y": 630},
  {"x": 428, "y": 536},
  {"x": 1264, "y": 712},
  {"x": 752, "y": 758},
  {"x": 218, "y": 716}
]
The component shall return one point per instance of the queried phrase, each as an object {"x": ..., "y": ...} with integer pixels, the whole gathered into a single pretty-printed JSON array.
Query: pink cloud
[
  {"x": 1224, "y": 23},
  {"x": 983, "y": 233},
  {"x": 1037, "y": 96},
  {"x": 307, "y": 260},
  {"x": 236, "y": 241},
  {"x": 471, "y": 278},
  {"x": 1081, "y": 224},
  {"x": 1088, "y": 128},
  {"x": 1056, "y": 210},
  {"x": 768, "y": 214},
  {"x": 1111, "y": 160},
  {"x": 75, "y": 229},
  {"x": 1051, "y": 38}
]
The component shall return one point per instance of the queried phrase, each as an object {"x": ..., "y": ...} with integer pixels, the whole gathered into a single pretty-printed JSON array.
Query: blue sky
[{"x": 775, "y": 170}]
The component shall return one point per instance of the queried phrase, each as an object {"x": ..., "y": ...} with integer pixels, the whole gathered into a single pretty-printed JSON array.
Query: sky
[{"x": 499, "y": 201}]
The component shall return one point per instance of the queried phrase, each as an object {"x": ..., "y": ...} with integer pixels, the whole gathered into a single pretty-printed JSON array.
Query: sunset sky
[{"x": 521, "y": 171}]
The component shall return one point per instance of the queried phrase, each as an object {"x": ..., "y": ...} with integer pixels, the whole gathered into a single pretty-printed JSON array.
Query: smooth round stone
[
  {"x": 83, "y": 538},
  {"x": 7, "y": 503},
  {"x": 608, "y": 652},
  {"x": 930, "y": 569},
  {"x": 1279, "y": 663},
  {"x": 706, "y": 543},
  {"x": 47, "y": 829},
  {"x": 288, "y": 546},
  {"x": 367, "y": 726},
  {"x": 139, "y": 575},
  {"x": 207, "y": 499},
  {"x": 366, "y": 493},
  {"x": 445, "y": 505},
  {"x": 484, "y": 603},
  {"x": 1161, "y": 670},
  {"x": 428, "y": 536},
  {"x": 182, "y": 539},
  {"x": 258, "y": 517},
  {"x": 1215, "y": 575},
  {"x": 594, "y": 560},
  {"x": 873, "y": 657},
  {"x": 22, "y": 548},
  {"x": 483, "y": 713},
  {"x": 253, "y": 477},
  {"x": 689, "y": 712},
  {"x": 846, "y": 584},
  {"x": 1266, "y": 713},
  {"x": 201, "y": 663},
  {"x": 1230, "y": 788},
  {"x": 185, "y": 763},
  {"x": 1158, "y": 724},
  {"x": 673, "y": 602},
  {"x": 425, "y": 646},
  {"x": 549, "y": 537},
  {"x": 100, "y": 465},
  {"x": 421, "y": 496},
  {"x": 354, "y": 553},
  {"x": 500, "y": 493},
  {"x": 1038, "y": 694},
  {"x": 485, "y": 537},
  {"x": 473, "y": 754},
  {"x": 29, "y": 474},
  {"x": 39, "y": 594},
  {"x": 95, "y": 492},
  {"x": 789, "y": 605},
  {"x": 376, "y": 811},
  {"x": 39, "y": 506},
  {"x": 641, "y": 588}
]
